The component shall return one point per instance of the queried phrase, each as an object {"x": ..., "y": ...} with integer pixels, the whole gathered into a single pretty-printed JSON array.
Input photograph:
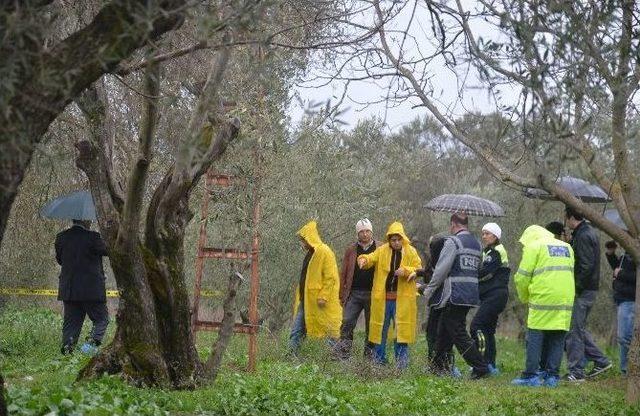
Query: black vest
[{"x": 462, "y": 281}]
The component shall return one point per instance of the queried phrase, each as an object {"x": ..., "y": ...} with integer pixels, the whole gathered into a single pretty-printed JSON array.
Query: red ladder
[{"x": 225, "y": 253}]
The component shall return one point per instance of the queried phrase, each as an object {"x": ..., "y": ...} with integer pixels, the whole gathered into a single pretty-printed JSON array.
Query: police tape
[{"x": 22, "y": 291}]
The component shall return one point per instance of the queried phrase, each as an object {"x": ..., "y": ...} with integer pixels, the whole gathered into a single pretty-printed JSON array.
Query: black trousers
[
  {"x": 74, "y": 314},
  {"x": 452, "y": 330},
  {"x": 483, "y": 326},
  {"x": 359, "y": 301},
  {"x": 432, "y": 336}
]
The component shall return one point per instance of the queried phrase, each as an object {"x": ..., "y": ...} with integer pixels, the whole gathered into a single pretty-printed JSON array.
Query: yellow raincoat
[
  {"x": 406, "y": 306},
  {"x": 322, "y": 282}
]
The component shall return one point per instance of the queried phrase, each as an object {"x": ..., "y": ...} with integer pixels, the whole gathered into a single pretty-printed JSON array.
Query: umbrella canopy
[
  {"x": 467, "y": 204},
  {"x": 614, "y": 216},
  {"x": 75, "y": 206},
  {"x": 579, "y": 188}
]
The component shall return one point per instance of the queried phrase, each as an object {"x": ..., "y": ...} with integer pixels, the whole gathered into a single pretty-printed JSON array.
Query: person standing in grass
[
  {"x": 454, "y": 289},
  {"x": 544, "y": 281},
  {"x": 81, "y": 286},
  {"x": 317, "y": 310},
  {"x": 493, "y": 278},
  {"x": 581, "y": 346},
  {"x": 393, "y": 295},
  {"x": 355, "y": 289},
  {"x": 624, "y": 295}
]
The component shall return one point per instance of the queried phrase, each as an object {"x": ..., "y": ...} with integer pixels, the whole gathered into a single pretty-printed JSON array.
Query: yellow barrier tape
[{"x": 22, "y": 291}]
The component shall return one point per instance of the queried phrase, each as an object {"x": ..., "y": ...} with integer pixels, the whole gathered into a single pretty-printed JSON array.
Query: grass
[{"x": 41, "y": 381}]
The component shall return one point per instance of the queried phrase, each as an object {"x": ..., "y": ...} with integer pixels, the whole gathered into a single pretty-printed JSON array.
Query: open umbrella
[
  {"x": 579, "y": 188},
  {"x": 75, "y": 206},
  {"x": 614, "y": 216},
  {"x": 467, "y": 204}
]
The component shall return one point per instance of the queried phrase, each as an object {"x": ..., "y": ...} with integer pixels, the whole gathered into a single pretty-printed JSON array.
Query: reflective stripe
[
  {"x": 550, "y": 307},
  {"x": 463, "y": 279},
  {"x": 552, "y": 269},
  {"x": 485, "y": 278},
  {"x": 524, "y": 272},
  {"x": 470, "y": 251}
]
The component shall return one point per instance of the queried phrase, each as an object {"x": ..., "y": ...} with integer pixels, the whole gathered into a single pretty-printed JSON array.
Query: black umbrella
[
  {"x": 579, "y": 188},
  {"x": 75, "y": 206},
  {"x": 465, "y": 204}
]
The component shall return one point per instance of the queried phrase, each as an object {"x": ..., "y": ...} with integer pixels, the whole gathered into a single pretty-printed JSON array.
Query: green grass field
[{"x": 41, "y": 381}]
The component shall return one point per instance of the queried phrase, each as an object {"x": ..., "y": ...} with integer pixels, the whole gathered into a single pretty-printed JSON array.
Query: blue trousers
[
  {"x": 401, "y": 349},
  {"x": 547, "y": 343},
  {"x": 626, "y": 313},
  {"x": 298, "y": 330}
]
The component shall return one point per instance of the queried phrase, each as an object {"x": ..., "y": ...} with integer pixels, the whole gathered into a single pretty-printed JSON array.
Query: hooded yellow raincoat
[
  {"x": 322, "y": 282},
  {"x": 406, "y": 306}
]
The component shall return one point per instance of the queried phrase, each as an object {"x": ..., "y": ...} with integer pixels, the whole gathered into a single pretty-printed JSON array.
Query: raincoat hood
[
  {"x": 397, "y": 228},
  {"x": 534, "y": 233},
  {"x": 310, "y": 234}
]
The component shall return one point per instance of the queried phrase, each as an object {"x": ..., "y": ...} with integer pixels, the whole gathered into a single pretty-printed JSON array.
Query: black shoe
[
  {"x": 67, "y": 349},
  {"x": 478, "y": 374},
  {"x": 574, "y": 378},
  {"x": 596, "y": 370}
]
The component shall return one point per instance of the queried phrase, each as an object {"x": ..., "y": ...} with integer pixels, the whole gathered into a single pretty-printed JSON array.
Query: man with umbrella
[
  {"x": 82, "y": 285},
  {"x": 454, "y": 289}
]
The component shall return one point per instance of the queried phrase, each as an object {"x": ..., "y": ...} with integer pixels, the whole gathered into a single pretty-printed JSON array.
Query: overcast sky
[{"x": 444, "y": 82}]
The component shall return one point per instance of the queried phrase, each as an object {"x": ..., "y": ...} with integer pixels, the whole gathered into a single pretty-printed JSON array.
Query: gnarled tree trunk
[
  {"x": 39, "y": 83},
  {"x": 154, "y": 344}
]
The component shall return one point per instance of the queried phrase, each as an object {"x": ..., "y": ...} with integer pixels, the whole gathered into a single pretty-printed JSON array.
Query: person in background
[
  {"x": 436, "y": 242},
  {"x": 355, "y": 289},
  {"x": 454, "y": 289},
  {"x": 317, "y": 310},
  {"x": 580, "y": 344},
  {"x": 493, "y": 278},
  {"x": 81, "y": 285},
  {"x": 393, "y": 296},
  {"x": 624, "y": 295},
  {"x": 557, "y": 229},
  {"x": 544, "y": 281}
]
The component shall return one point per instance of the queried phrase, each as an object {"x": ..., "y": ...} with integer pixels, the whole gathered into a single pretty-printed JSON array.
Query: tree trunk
[
  {"x": 46, "y": 81},
  {"x": 212, "y": 367}
]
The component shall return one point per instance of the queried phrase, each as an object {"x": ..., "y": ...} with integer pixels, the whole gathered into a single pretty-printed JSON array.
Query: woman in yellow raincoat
[
  {"x": 317, "y": 310},
  {"x": 393, "y": 296}
]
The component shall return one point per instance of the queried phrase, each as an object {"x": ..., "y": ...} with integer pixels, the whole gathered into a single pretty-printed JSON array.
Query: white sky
[{"x": 444, "y": 83}]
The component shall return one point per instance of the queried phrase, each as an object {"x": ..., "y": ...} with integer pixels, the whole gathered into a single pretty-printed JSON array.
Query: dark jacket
[
  {"x": 348, "y": 267},
  {"x": 624, "y": 286},
  {"x": 79, "y": 252},
  {"x": 586, "y": 248},
  {"x": 494, "y": 272}
]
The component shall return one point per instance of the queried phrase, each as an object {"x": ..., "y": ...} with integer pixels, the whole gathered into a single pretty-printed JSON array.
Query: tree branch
[
  {"x": 137, "y": 181},
  {"x": 212, "y": 366}
]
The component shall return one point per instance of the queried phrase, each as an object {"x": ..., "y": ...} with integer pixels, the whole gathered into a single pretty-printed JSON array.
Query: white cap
[
  {"x": 493, "y": 228},
  {"x": 364, "y": 224}
]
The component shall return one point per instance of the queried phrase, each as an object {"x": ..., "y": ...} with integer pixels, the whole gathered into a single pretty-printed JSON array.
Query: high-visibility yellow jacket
[
  {"x": 406, "y": 304},
  {"x": 544, "y": 279},
  {"x": 322, "y": 282}
]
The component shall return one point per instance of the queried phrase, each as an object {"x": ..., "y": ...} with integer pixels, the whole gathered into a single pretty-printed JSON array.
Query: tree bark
[
  {"x": 212, "y": 367},
  {"x": 154, "y": 344},
  {"x": 48, "y": 80}
]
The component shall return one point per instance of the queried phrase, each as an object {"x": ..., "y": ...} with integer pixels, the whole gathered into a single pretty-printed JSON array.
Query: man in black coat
[
  {"x": 82, "y": 284},
  {"x": 624, "y": 295},
  {"x": 580, "y": 345}
]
